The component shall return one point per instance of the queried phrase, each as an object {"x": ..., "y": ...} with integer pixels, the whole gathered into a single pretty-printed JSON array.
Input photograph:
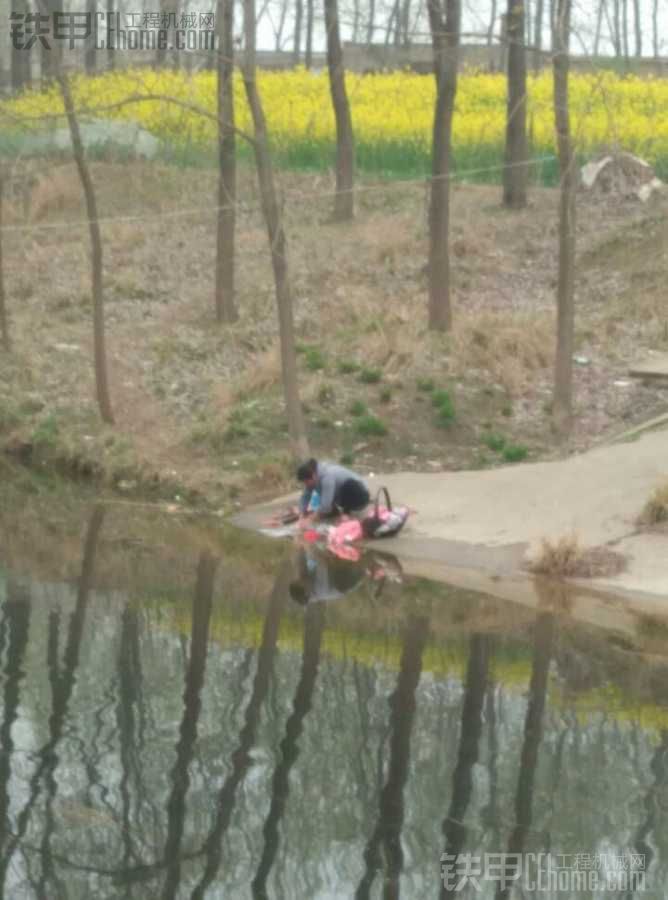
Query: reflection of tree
[
  {"x": 533, "y": 732},
  {"x": 241, "y": 759},
  {"x": 660, "y": 771},
  {"x": 454, "y": 829},
  {"x": 15, "y": 622},
  {"x": 62, "y": 685},
  {"x": 289, "y": 749},
  {"x": 490, "y": 813},
  {"x": 385, "y": 842},
  {"x": 199, "y": 639},
  {"x": 129, "y": 700}
]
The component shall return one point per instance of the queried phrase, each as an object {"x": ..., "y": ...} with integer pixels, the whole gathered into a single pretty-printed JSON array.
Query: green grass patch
[
  {"x": 314, "y": 359},
  {"x": 495, "y": 442},
  {"x": 370, "y": 376},
  {"x": 357, "y": 408},
  {"x": 370, "y": 426},
  {"x": 445, "y": 408},
  {"x": 515, "y": 453},
  {"x": 347, "y": 366}
]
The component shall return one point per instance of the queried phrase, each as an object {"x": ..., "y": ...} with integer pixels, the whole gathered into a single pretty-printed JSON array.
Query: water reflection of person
[{"x": 322, "y": 576}]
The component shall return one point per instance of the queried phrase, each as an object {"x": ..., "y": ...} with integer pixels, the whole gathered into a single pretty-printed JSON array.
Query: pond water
[{"x": 180, "y": 718}]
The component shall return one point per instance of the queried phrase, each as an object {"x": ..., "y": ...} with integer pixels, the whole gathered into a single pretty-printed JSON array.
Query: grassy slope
[{"x": 199, "y": 407}]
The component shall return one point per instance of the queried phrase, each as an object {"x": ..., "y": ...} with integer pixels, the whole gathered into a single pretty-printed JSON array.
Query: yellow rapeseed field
[{"x": 392, "y": 114}]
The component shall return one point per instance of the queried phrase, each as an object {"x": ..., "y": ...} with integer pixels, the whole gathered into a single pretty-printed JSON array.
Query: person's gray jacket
[{"x": 330, "y": 477}]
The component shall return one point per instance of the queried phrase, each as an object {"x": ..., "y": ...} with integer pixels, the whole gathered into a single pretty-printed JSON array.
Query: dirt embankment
[{"x": 198, "y": 407}]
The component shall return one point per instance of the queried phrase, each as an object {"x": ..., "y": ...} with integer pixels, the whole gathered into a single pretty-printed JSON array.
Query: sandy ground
[{"x": 478, "y": 529}]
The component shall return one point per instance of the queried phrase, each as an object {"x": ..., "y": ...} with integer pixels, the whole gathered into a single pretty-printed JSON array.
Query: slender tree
[
  {"x": 345, "y": 144},
  {"x": 562, "y": 408},
  {"x": 616, "y": 29},
  {"x": 655, "y": 28},
  {"x": 515, "y": 172},
  {"x": 99, "y": 341},
  {"x": 297, "y": 39},
  {"x": 538, "y": 37},
  {"x": 110, "y": 51},
  {"x": 637, "y": 21},
  {"x": 226, "y": 310},
  {"x": 277, "y": 240},
  {"x": 625, "y": 30},
  {"x": 20, "y": 58},
  {"x": 371, "y": 22},
  {"x": 308, "y": 50},
  {"x": 444, "y": 25},
  {"x": 4, "y": 325},
  {"x": 600, "y": 10},
  {"x": 90, "y": 53},
  {"x": 492, "y": 23}
]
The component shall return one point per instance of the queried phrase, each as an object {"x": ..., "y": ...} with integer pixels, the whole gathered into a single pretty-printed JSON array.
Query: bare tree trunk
[
  {"x": 277, "y": 241},
  {"x": 297, "y": 45},
  {"x": 100, "y": 351},
  {"x": 625, "y": 29},
  {"x": 345, "y": 143},
  {"x": 4, "y": 327},
  {"x": 405, "y": 22},
  {"x": 111, "y": 52},
  {"x": 281, "y": 25},
  {"x": 308, "y": 55},
  {"x": 445, "y": 40},
  {"x": 90, "y": 54},
  {"x": 538, "y": 37},
  {"x": 161, "y": 52},
  {"x": 562, "y": 408},
  {"x": 515, "y": 171},
  {"x": 371, "y": 24},
  {"x": 356, "y": 21},
  {"x": 638, "y": 27},
  {"x": 616, "y": 30},
  {"x": 390, "y": 25},
  {"x": 227, "y": 169},
  {"x": 397, "y": 23},
  {"x": 20, "y": 59},
  {"x": 599, "y": 23},
  {"x": 492, "y": 23},
  {"x": 655, "y": 28},
  {"x": 50, "y": 59}
]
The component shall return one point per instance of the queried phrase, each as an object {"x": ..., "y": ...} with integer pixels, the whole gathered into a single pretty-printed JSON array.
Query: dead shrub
[
  {"x": 59, "y": 192},
  {"x": 566, "y": 558},
  {"x": 655, "y": 511},
  {"x": 263, "y": 372},
  {"x": 512, "y": 348}
]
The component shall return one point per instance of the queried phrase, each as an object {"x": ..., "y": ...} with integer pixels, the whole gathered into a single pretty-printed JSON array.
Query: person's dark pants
[{"x": 352, "y": 496}]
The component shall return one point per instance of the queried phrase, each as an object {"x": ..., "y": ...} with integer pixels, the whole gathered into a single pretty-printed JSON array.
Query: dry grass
[
  {"x": 655, "y": 511},
  {"x": 511, "y": 347},
  {"x": 566, "y": 558}
]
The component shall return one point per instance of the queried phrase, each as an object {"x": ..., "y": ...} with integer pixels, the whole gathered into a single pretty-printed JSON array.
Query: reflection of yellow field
[
  {"x": 510, "y": 667},
  {"x": 392, "y": 112}
]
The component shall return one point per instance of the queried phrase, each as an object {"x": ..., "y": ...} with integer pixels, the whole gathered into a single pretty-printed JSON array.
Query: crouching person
[{"x": 339, "y": 490}]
